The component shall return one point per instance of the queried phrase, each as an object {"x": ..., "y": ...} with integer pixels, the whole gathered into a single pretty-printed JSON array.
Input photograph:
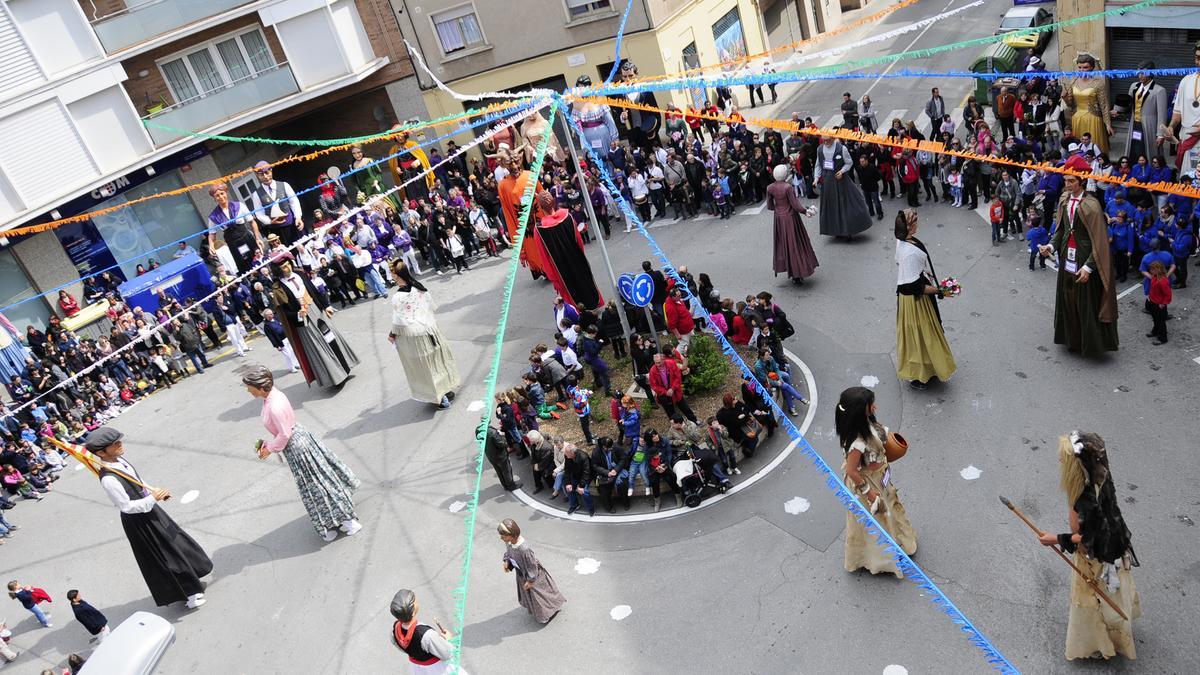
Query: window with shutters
[
  {"x": 458, "y": 29},
  {"x": 210, "y": 66},
  {"x": 581, "y": 8}
]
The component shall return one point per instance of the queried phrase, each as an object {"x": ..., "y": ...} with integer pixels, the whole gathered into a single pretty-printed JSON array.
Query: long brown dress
[
  {"x": 543, "y": 600},
  {"x": 793, "y": 250},
  {"x": 862, "y": 550}
]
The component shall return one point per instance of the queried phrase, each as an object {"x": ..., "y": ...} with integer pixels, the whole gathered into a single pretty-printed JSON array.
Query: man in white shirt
[
  {"x": 1185, "y": 121},
  {"x": 171, "y": 562},
  {"x": 276, "y": 206}
]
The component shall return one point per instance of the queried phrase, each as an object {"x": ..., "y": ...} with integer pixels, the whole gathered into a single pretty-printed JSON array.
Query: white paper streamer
[
  {"x": 496, "y": 128},
  {"x": 420, "y": 63}
]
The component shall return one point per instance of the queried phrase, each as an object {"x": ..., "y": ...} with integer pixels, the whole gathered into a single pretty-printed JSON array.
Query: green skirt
[{"x": 921, "y": 348}]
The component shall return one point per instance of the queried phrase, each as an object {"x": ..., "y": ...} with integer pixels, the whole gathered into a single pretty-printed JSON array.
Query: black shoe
[
  {"x": 571, "y": 510},
  {"x": 538, "y": 489},
  {"x": 591, "y": 511},
  {"x": 918, "y": 385},
  {"x": 1149, "y": 334}
]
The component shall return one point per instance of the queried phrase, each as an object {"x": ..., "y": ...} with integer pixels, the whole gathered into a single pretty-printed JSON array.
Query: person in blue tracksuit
[
  {"x": 1182, "y": 246},
  {"x": 1036, "y": 235},
  {"x": 1155, "y": 254},
  {"x": 1122, "y": 237}
]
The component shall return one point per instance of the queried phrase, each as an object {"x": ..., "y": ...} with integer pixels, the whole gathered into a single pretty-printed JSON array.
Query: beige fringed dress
[
  {"x": 428, "y": 362},
  {"x": 1093, "y": 628},
  {"x": 862, "y": 550}
]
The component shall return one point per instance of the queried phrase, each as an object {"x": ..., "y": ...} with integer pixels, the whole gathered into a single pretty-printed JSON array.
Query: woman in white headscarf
[
  {"x": 793, "y": 251},
  {"x": 428, "y": 362},
  {"x": 921, "y": 348}
]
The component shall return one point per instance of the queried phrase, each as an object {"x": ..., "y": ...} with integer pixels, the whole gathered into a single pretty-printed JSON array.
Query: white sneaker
[
  {"x": 628, "y": 229},
  {"x": 351, "y": 527},
  {"x": 329, "y": 535},
  {"x": 195, "y": 601},
  {"x": 630, "y": 493},
  {"x": 737, "y": 471},
  {"x": 647, "y": 492}
]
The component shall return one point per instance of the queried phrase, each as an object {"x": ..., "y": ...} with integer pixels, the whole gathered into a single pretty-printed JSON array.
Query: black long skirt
[{"x": 171, "y": 561}]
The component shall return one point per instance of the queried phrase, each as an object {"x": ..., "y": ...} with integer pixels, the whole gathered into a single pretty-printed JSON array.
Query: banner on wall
[{"x": 729, "y": 39}]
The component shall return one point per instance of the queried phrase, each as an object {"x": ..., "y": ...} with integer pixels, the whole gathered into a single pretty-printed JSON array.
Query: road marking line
[
  {"x": 809, "y": 416},
  {"x": 1197, "y": 360},
  {"x": 1129, "y": 290},
  {"x": 885, "y": 122},
  {"x": 754, "y": 210}
]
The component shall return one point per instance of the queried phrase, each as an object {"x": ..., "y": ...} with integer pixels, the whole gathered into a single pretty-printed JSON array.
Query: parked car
[{"x": 1026, "y": 16}]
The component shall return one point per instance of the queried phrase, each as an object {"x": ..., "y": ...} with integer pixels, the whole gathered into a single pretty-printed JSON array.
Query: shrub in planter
[{"x": 709, "y": 366}]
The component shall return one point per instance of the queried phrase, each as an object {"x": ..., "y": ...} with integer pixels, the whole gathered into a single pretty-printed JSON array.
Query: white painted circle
[
  {"x": 894, "y": 669},
  {"x": 475, "y": 406},
  {"x": 869, "y": 381},
  {"x": 587, "y": 566},
  {"x": 79, "y": 467},
  {"x": 970, "y": 473},
  {"x": 620, "y": 612},
  {"x": 189, "y": 496},
  {"x": 796, "y": 505},
  {"x": 809, "y": 416},
  {"x": 457, "y": 506}
]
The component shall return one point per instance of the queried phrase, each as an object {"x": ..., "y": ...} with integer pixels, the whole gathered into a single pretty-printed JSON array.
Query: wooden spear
[{"x": 1090, "y": 581}]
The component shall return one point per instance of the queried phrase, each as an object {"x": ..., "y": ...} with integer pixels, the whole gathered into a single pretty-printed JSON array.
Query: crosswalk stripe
[{"x": 885, "y": 122}]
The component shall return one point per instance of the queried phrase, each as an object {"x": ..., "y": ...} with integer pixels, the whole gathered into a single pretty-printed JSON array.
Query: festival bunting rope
[
  {"x": 486, "y": 120},
  {"x": 341, "y": 142},
  {"x": 792, "y": 46},
  {"x": 616, "y": 65},
  {"x": 267, "y": 259},
  {"x": 904, "y": 563},
  {"x": 472, "y": 508},
  {"x": 799, "y": 75},
  {"x": 448, "y": 119},
  {"x": 935, "y": 147}
]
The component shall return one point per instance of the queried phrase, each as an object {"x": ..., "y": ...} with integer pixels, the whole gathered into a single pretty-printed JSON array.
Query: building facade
[
  {"x": 99, "y": 98},
  {"x": 480, "y": 46}
]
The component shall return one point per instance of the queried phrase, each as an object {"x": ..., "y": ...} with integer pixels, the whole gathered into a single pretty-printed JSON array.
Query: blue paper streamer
[
  {"x": 457, "y": 130},
  {"x": 811, "y": 76},
  {"x": 903, "y": 562},
  {"x": 620, "y": 38}
]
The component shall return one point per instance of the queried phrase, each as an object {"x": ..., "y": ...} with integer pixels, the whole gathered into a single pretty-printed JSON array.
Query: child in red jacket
[
  {"x": 996, "y": 215},
  {"x": 29, "y": 597},
  {"x": 1160, "y": 297}
]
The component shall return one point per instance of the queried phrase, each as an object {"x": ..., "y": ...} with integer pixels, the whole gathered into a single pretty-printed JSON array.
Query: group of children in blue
[{"x": 1143, "y": 229}]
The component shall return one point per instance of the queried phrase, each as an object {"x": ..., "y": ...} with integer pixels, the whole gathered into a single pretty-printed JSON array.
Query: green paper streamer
[
  {"x": 924, "y": 53},
  {"x": 323, "y": 141},
  {"x": 460, "y": 591}
]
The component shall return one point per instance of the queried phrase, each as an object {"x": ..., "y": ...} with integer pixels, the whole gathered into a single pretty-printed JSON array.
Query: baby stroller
[{"x": 690, "y": 479}]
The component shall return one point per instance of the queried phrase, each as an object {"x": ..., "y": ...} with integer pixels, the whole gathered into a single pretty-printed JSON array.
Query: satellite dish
[{"x": 333, "y": 172}]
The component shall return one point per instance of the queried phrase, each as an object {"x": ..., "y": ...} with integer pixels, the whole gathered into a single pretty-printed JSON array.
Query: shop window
[
  {"x": 132, "y": 232},
  {"x": 15, "y": 287},
  {"x": 458, "y": 29}
]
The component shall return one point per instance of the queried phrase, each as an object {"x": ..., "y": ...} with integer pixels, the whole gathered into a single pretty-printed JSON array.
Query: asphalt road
[{"x": 752, "y": 584}]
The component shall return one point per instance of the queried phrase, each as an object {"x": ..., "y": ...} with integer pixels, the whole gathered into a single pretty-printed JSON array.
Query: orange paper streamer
[
  {"x": 1182, "y": 189},
  {"x": 43, "y": 227}
]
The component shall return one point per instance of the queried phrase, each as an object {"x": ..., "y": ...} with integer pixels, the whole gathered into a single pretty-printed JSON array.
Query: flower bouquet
[{"x": 950, "y": 287}]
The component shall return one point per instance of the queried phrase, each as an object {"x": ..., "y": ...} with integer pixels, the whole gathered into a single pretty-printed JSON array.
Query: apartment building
[
  {"x": 480, "y": 45},
  {"x": 98, "y": 99}
]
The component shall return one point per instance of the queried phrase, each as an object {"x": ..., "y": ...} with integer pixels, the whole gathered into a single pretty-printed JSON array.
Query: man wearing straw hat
[{"x": 171, "y": 561}]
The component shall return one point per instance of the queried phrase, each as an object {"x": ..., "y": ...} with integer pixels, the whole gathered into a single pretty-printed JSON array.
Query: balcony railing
[
  {"x": 221, "y": 104},
  {"x": 142, "y": 22}
]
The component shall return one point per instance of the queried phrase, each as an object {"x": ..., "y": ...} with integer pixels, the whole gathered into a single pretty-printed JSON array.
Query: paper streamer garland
[
  {"x": 460, "y": 592},
  {"x": 1182, "y": 189},
  {"x": 616, "y": 66},
  {"x": 794, "y": 46},
  {"x": 487, "y": 119},
  {"x": 345, "y": 142},
  {"x": 50, "y": 225},
  {"x": 903, "y": 562},
  {"x": 795, "y": 75},
  {"x": 116, "y": 353}
]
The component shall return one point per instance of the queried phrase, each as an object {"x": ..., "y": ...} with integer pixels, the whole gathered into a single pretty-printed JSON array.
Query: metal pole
[{"x": 591, "y": 212}]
